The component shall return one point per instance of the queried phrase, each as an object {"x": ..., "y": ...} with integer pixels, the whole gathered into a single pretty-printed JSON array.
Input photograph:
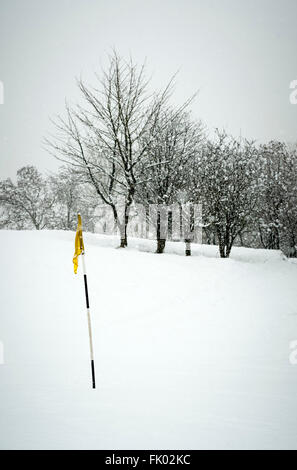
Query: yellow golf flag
[{"x": 79, "y": 243}]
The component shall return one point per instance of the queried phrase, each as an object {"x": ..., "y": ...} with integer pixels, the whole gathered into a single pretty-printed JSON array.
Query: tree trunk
[
  {"x": 222, "y": 245},
  {"x": 226, "y": 240},
  {"x": 228, "y": 250},
  {"x": 122, "y": 226},
  {"x": 188, "y": 247},
  {"x": 222, "y": 249},
  {"x": 161, "y": 242},
  {"x": 124, "y": 242},
  {"x": 270, "y": 240},
  {"x": 124, "y": 238},
  {"x": 160, "y": 245}
]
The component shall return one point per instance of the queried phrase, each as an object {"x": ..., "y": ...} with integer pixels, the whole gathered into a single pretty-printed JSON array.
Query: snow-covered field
[{"x": 190, "y": 353}]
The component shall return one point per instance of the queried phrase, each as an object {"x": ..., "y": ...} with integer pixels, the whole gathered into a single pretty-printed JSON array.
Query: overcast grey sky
[{"x": 241, "y": 55}]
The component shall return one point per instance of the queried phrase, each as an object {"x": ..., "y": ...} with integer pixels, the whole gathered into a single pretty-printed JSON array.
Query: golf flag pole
[{"x": 80, "y": 250}]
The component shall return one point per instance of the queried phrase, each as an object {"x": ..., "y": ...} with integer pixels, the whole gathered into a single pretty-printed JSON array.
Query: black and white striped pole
[
  {"x": 89, "y": 319},
  {"x": 82, "y": 249}
]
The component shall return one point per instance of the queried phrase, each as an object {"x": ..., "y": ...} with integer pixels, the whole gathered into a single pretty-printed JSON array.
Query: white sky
[{"x": 240, "y": 54}]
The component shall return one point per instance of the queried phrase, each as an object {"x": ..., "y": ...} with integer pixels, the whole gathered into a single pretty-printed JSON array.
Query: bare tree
[{"x": 107, "y": 138}]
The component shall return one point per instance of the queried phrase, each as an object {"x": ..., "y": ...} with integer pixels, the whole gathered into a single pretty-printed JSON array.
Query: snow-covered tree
[
  {"x": 288, "y": 213},
  {"x": 277, "y": 208},
  {"x": 73, "y": 196},
  {"x": 225, "y": 181},
  {"x": 164, "y": 173},
  {"x": 107, "y": 138},
  {"x": 28, "y": 203}
]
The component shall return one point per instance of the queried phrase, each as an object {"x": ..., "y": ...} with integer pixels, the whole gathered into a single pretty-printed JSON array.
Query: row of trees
[
  {"x": 125, "y": 141},
  {"x": 38, "y": 202}
]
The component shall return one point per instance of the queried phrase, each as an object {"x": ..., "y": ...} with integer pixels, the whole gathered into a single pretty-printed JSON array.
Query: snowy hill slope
[{"x": 190, "y": 352}]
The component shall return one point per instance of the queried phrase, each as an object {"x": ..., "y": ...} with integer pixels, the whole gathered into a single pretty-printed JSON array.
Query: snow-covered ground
[{"x": 190, "y": 353}]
